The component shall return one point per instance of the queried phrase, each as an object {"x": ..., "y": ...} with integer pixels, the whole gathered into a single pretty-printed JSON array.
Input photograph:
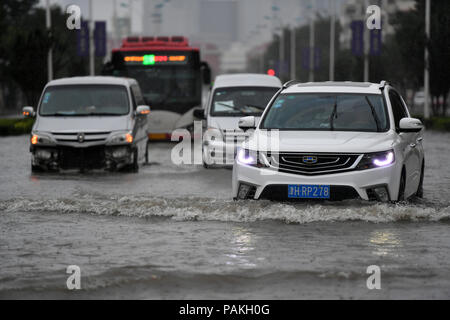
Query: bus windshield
[{"x": 167, "y": 84}]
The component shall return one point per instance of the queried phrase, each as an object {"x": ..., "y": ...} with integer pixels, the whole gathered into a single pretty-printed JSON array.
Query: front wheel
[
  {"x": 401, "y": 190},
  {"x": 419, "y": 193},
  {"x": 146, "y": 153},
  {"x": 134, "y": 166}
]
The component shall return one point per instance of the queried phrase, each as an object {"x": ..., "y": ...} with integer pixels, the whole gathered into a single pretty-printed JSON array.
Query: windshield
[
  {"x": 162, "y": 85},
  {"x": 327, "y": 112},
  {"x": 85, "y": 100},
  {"x": 241, "y": 101}
]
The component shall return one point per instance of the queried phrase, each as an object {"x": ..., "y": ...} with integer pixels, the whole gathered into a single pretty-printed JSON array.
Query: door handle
[
  {"x": 420, "y": 139},
  {"x": 412, "y": 145}
]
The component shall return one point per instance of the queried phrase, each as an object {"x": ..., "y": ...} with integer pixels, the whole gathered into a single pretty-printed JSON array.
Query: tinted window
[
  {"x": 398, "y": 108},
  {"x": 240, "y": 101},
  {"x": 82, "y": 100},
  {"x": 326, "y": 112}
]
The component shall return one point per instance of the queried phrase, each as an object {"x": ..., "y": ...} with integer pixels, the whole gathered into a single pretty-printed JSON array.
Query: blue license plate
[{"x": 304, "y": 191}]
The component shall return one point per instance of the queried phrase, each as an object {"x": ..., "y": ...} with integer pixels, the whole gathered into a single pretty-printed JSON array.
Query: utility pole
[
  {"x": 281, "y": 49},
  {"x": 131, "y": 16},
  {"x": 293, "y": 50},
  {"x": 48, "y": 22},
  {"x": 332, "y": 37},
  {"x": 427, "y": 63},
  {"x": 312, "y": 49},
  {"x": 91, "y": 40},
  {"x": 366, "y": 46}
]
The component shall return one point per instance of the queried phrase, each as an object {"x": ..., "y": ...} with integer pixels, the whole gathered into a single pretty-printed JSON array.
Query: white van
[
  {"x": 89, "y": 123},
  {"x": 232, "y": 97}
]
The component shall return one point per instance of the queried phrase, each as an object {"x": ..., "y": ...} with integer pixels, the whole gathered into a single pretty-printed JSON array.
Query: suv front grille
[{"x": 313, "y": 163}]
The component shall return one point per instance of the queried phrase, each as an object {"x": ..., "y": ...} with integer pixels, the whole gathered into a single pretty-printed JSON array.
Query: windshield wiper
[
  {"x": 256, "y": 107},
  {"x": 374, "y": 113},
  {"x": 333, "y": 115},
  {"x": 228, "y": 106}
]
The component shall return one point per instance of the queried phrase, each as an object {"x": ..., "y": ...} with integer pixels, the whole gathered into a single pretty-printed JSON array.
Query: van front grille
[{"x": 73, "y": 136}]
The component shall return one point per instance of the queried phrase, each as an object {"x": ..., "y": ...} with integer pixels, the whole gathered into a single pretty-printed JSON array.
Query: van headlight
[
  {"x": 39, "y": 138},
  {"x": 376, "y": 160},
  {"x": 252, "y": 158},
  {"x": 124, "y": 137}
]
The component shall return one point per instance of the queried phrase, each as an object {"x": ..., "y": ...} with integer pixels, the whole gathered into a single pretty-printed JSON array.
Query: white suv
[{"x": 332, "y": 140}]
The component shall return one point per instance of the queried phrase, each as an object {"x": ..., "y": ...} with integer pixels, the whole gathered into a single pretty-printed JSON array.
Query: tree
[{"x": 410, "y": 35}]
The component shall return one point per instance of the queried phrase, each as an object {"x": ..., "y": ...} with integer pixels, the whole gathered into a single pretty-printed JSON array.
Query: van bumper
[{"x": 92, "y": 157}]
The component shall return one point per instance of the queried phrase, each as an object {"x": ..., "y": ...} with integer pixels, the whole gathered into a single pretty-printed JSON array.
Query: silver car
[{"x": 89, "y": 123}]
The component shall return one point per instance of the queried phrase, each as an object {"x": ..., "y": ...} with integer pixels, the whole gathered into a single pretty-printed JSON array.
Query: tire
[
  {"x": 134, "y": 167},
  {"x": 402, "y": 186},
  {"x": 146, "y": 154},
  {"x": 419, "y": 193}
]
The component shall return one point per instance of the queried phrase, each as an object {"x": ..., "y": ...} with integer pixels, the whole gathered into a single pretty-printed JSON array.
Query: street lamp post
[
  {"x": 48, "y": 22},
  {"x": 311, "y": 42},
  {"x": 293, "y": 49},
  {"x": 366, "y": 48},
  {"x": 91, "y": 39},
  {"x": 427, "y": 64},
  {"x": 332, "y": 37}
]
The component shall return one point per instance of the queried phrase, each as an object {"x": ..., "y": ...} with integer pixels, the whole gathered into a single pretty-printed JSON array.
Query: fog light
[
  {"x": 43, "y": 154},
  {"x": 244, "y": 191},
  {"x": 120, "y": 153},
  {"x": 381, "y": 194}
]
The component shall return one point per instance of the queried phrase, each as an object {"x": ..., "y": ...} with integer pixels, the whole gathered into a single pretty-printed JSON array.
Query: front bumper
[
  {"x": 92, "y": 157},
  {"x": 267, "y": 183}
]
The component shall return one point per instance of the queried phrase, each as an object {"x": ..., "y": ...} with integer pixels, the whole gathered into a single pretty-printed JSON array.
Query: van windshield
[
  {"x": 85, "y": 100},
  {"x": 238, "y": 101},
  {"x": 327, "y": 112}
]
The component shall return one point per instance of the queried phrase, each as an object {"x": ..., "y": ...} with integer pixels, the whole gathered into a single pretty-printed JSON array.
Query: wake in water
[{"x": 207, "y": 209}]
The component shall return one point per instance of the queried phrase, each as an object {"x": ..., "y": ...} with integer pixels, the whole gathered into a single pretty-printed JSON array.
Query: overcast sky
[{"x": 103, "y": 9}]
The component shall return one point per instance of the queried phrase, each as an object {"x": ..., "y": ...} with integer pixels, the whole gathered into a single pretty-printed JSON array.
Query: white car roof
[
  {"x": 92, "y": 80},
  {"x": 247, "y": 80},
  {"x": 335, "y": 87}
]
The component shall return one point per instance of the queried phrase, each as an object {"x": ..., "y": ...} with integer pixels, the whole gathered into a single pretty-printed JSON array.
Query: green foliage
[
  {"x": 25, "y": 43},
  {"x": 15, "y": 126}
]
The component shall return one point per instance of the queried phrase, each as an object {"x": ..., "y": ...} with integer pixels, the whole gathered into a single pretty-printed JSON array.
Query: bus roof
[{"x": 175, "y": 43}]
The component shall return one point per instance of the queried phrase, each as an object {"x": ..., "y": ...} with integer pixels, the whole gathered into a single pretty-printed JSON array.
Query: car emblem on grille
[
  {"x": 310, "y": 159},
  {"x": 80, "y": 137}
]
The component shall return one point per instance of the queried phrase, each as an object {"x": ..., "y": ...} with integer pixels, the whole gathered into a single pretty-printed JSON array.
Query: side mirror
[
  {"x": 199, "y": 114},
  {"x": 142, "y": 110},
  {"x": 410, "y": 125},
  {"x": 28, "y": 112},
  {"x": 247, "y": 123}
]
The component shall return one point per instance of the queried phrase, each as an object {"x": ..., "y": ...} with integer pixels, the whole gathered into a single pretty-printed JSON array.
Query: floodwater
[{"x": 173, "y": 232}]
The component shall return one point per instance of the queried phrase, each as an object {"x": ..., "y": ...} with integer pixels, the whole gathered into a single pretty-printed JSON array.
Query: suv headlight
[
  {"x": 125, "y": 137},
  {"x": 376, "y": 160},
  {"x": 252, "y": 158},
  {"x": 39, "y": 138}
]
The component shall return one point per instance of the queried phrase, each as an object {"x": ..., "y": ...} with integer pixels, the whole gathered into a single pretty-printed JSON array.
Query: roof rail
[
  {"x": 291, "y": 83},
  {"x": 383, "y": 84}
]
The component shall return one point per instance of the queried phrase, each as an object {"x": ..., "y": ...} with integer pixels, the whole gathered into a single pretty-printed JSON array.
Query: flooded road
[{"x": 173, "y": 232}]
